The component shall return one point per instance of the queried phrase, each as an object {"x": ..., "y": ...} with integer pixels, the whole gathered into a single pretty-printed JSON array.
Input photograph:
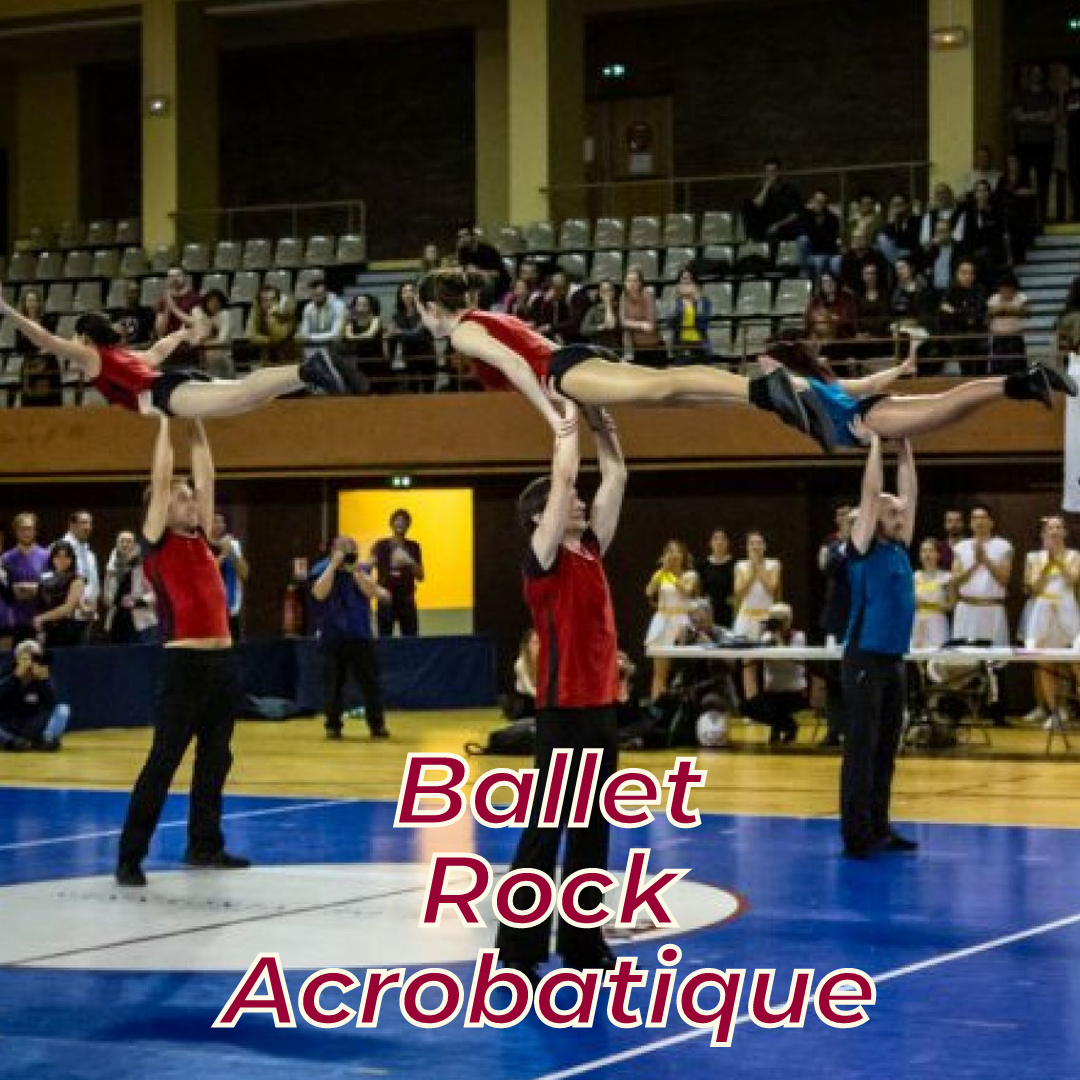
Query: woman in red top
[
  {"x": 130, "y": 378},
  {"x": 513, "y": 355}
]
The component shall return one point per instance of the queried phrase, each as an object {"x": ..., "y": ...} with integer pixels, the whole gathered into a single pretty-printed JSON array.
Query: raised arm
[
  {"x": 862, "y": 532},
  {"x": 161, "y": 350},
  {"x": 74, "y": 351},
  {"x": 161, "y": 478},
  {"x": 607, "y": 505},
  {"x": 907, "y": 488},
  {"x": 549, "y": 533},
  {"x": 882, "y": 381},
  {"x": 202, "y": 475}
]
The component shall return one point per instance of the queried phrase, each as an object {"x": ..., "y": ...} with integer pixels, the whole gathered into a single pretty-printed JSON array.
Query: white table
[{"x": 821, "y": 652}]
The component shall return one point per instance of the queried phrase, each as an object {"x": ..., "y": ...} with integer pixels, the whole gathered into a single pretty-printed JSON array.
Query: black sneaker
[
  {"x": 893, "y": 841},
  {"x": 18, "y": 745},
  {"x": 1038, "y": 383},
  {"x": 333, "y": 733},
  {"x": 47, "y": 746},
  {"x": 605, "y": 960},
  {"x": 219, "y": 860},
  {"x": 320, "y": 372},
  {"x": 129, "y": 875},
  {"x": 776, "y": 393},
  {"x": 530, "y": 971},
  {"x": 380, "y": 733}
]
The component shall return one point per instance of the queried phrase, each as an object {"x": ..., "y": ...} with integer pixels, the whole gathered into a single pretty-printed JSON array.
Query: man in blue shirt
[
  {"x": 343, "y": 591},
  {"x": 879, "y": 632}
]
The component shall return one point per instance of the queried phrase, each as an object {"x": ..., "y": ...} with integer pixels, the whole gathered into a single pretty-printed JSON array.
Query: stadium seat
[
  {"x": 58, "y": 300},
  {"x": 70, "y": 234},
  {"x": 679, "y": 230},
  {"x": 23, "y": 266},
  {"x": 50, "y": 266},
  {"x": 645, "y": 232},
  {"x": 87, "y": 296},
  {"x": 607, "y": 264},
  {"x": 510, "y": 240},
  {"x": 78, "y": 265},
  {"x": 574, "y": 234},
  {"x": 755, "y": 299},
  {"x": 792, "y": 297},
  {"x": 39, "y": 237},
  {"x": 151, "y": 290},
  {"x": 117, "y": 294},
  {"x": 718, "y": 227},
  {"x": 210, "y": 282},
  {"x": 304, "y": 280},
  {"x": 758, "y": 252},
  {"x": 258, "y": 254},
  {"x": 227, "y": 255},
  {"x": 721, "y": 295},
  {"x": 134, "y": 263},
  {"x": 351, "y": 250},
  {"x": 195, "y": 257},
  {"x": 65, "y": 326},
  {"x": 648, "y": 262},
  {"x": 574, "y": 265},
  {"x": 610, "y": 233},
  {"x": 105, "y": 264},
  {"x": 319, "y": 251},
  {"x": 675, "y": 258},
  {"x": 788, "y": 257},
  {"x": 237, "y": 323},
  {"x": 282, "y": 280},
  {"x": 7, "y": 335},
  {"x": 720, "y": 253},
  {"x": 540, "y": 236},
  {"x": 288, "y": 255},
  {"x": 245, "y": 287},
  {"x": 128, "y": 231},
  {"x": 752, "y": 335},
  {"x": 100, "y": 233},
  {"x": 164, "y": 256}
]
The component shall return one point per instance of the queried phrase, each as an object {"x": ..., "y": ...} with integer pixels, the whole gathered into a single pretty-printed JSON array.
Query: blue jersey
[
  {"x": 882, "y": 599},
  {"x": 841, "y": 407}
]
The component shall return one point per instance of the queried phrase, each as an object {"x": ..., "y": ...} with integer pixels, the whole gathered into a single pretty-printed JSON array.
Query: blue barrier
[{"x": 114, "y": 685}]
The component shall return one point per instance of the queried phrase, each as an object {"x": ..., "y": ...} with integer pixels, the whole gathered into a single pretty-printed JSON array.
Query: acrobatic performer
[
  {"x": 130, "y": 378},
  {"x": 900, "y": 416},
  {"x": 513, "y": 355}
]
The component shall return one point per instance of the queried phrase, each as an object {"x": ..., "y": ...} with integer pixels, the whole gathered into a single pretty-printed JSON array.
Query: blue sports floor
[{"x": 974, "y": 941}]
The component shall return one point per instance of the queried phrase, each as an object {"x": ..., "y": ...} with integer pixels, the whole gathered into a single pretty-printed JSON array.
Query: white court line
[
  {"x": 896, "y": 973},
  {"x": 235, "y": 816}
]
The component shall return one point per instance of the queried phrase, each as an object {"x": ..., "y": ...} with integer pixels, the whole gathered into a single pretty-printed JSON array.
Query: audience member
[
  {"x": 601, "y": 323},
  {"x": 40, "y": 378},
  {"x": 363, "y": 335},
  {"x": 954, "y": 531},
  {"x": 323, "y": 320},
  {"x": 933, "y": 599},
  {"x": 982, "y": 566},
  {"x": 178, "y": 298},
  {"x": 134, "y": 322},
  {"x": 861, "y": 253},
  {"x": 943, "y": 256},
  {"x": 521, "y": 301},
  {"x": 637, "y": 314},
  {"x": 1035, "y": 116},
  {"x": 913, "y": 303},
  {"x": 964, "y": 319},
  {"x": 229, "y": 553},
  {"x": 986, "y": 234},
  {"x": 689, "y": 321},
  {"x": 670, "y": 590},
  {"x": 819, "y": 236},
  {"x": 1017, "y": 194},
  {"x": 830, "y": 311},
  {"x": 31, "y": 717},
  {"x": 522, "y": 703},
  {"x": 983, "y": 171},
  {"x": 271, "y": 328},
  {"x": 757, "y": 587},
  {"x": 899, "y": 237},
  {"x": 411, "y": 345},
  {"x": 776, "y": 689},
  {"x": 865, "y": 218},
  {"x": 60, "y": 597},
  {"x": 430, "y": 259},
  {"x": 217, "y": 347},
  {"x": 7, "y": 599},
  {"x": 1068, "y": 323},
  {"x": 717, "y": 573},
  {"x": 944, "y": 210},
  {"x": 555, "y": 317},
  {"x": 873, "y": 308},
  {"x": 399, "y": 566},
  {"x": 1007, "y": 309},
  {"x": 835, "y": 613},
  {"x": 80, "y": 526},
  {"x": 343, "y": 592},
  {"x": 773, "y": 212},
  {"x": 130, "y": 603},
  {"x": 475, "y": 253},
  {"x": 24, "y": 565}
]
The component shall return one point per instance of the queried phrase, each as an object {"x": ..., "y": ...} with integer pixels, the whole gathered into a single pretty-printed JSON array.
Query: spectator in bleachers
[
  {"x": 1007, "y": 310},
  {"x": 7, "y": 600},
  {"x": 555, "y": 314},
  {"x": 23, "y": 565},
  {"x": 717, "y": 573},
  {"x": 964, "y": 319},
  {"x": 80, "y": 526},
  {"x": 1068, "y": 323},
  {"x": 60, "y": 598},
  {"x": 430, "y": 260},
  {"x": 758, "y": 582},
  {"x": 363, "y": 335},
  {"x": 872, "y": 309},
  {"x": 322, "y": 323},
  {"x": 776, "y": 689},
  {"x": 31, "y": 717},
  {"x": 689, "y": 321},
  {"x": 912, "y": 303},
  {"x": 179, "y": 297},
  {"x": 982, "y": 567},
  {"x": 943, "y": 256},
  {"x": 819, "y": 236},
  {"x": 601, "y": 323},
  {"x": 866, "y": 217},
  {"x": 234, "y": 568},
  {"x": 899, "y": 237},
  {"x": 271, "y": 328},
  {"x": 410, "y": 343},
  {"x": 944, "y": 208},
  {"x": 861, "y": 253},
  {"x": 1035, "y": 116},
  {"x": 521, "y": 302},
  {"x": 217, "y": 347},
  {"x": 830, "y": 311},
  {"x": 475, "y": 253},
  {"x": 40, "y": 380},
  {"x": 130, "y": 604},
  {"x": 134, "y": 322},
  {"x": 933, "y": 599},
  {"x": 983, "y": 170},
  {"x": 1016, "y": 193},
  {"x": 638, "y": 315},
  {"x": 953, "y": 530},
  {"x": 986, "y": 235},
  {"x": 773, "y": 212},
  {"x": 670, "y": 590}
]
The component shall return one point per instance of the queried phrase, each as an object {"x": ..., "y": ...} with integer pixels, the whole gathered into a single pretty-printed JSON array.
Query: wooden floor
[{"x": 1012, "y": 782}]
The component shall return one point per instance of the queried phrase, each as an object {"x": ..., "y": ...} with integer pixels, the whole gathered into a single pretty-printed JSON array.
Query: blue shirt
[
  {"x": 841, "y": 407},
  {"x": 346, "y": 613},
  {"x": 882, "y": 599}
]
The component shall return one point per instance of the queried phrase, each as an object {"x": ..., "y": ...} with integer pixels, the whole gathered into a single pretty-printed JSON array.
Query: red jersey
[
  {"x": 123, "y": 377},
  {"x": 189, "y": 588},
  {"x": 571, "y": 610},
  {"x": 532, "y": 347}
]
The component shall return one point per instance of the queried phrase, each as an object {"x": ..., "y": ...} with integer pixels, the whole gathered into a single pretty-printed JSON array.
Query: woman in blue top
[{"x": 898, "y": 416}]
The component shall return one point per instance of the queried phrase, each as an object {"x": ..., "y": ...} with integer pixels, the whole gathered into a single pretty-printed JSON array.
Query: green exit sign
[{"x": 1074, "y": 25}]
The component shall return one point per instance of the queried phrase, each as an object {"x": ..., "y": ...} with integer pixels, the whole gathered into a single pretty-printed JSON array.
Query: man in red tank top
[
  {"x": 199, "y": 689},
  {"x": 577, "y": 685}
]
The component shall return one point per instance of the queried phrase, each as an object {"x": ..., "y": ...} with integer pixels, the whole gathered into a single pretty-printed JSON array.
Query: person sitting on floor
[
  {"x": 778, "y": 691},
  {"x": 30, "y": 716}
]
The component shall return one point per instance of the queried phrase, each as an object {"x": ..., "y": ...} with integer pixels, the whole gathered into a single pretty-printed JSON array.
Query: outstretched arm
[
  {"x": 75, "y": 351},
  {"x": 202, "y": 475},
  {"x": 549, "y": 533},
  {"x": 161, "y": 478},
  {"x": 161, "y": 350},
  {"x": 862, "y": 532},
  {"x": 607, "y": 505},
  {"x": 907, "y": 488},
  {"x": 881, "y": 381}
]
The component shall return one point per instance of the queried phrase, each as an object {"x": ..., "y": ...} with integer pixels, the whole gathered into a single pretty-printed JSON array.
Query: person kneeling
[
  {"x": 30, "y": 716},
  {"x": 776, "y": 689}
]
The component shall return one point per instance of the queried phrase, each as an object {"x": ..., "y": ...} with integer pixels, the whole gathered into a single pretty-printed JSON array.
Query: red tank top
[
  {"x": 189, "y": 588},
  {"x": 532, "y": 347},
  {"x": 123, "y": 377},
  {"x": 572, "y": 612}
]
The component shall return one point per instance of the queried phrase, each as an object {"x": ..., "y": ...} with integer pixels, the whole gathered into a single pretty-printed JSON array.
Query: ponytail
[
  {"x": 452, "y": 290},
  {"x": 97, "y": 329},
  {"x": 790, "y": 350}
]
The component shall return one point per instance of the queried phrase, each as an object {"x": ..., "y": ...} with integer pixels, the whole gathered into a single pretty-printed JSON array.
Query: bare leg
[
  {"x": 661, "y": 668},
  {"x": 212, "y": 400},
  {"x": 602, "y": 382},
  {"x": 1047, "y": 680},
  {"x": 905, "y": 416}
]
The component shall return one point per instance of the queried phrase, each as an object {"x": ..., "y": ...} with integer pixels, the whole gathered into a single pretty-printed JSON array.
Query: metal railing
[{"x": 334, "y": 218}]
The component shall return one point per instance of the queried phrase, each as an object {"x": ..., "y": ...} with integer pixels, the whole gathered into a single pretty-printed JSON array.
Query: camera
[
  {"x": 351, "y": 558},
  {"x": 772, "y": 625}
]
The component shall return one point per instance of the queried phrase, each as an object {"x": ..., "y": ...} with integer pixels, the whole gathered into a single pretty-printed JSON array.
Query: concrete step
[
  {"x": 1057, "y": 240},
  {"x": 1066, "y": 257},
  {"x": 1045, "y": 278}
]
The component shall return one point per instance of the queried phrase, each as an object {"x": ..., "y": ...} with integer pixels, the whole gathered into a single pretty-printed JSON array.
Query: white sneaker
[{"x": 1036, "y": 716}]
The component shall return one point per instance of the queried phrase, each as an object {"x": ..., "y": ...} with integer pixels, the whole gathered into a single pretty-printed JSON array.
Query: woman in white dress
[
  {"x": 933, "y": 599},
  {"x": 670, "y": 591},
  {"x": 1050, "y": 579},
  {"x": 757, "y": 588}
]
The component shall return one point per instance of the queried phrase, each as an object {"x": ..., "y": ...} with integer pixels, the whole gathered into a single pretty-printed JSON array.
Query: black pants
[
  {"x": 776, "y": 710},
  {"x": 538, "y": 849},
  {"x": 1039, "y": 157},
  {"x": 197, "y": 699},
  {"x": 874, "y": 695},
  {"x": 356, "y": 656},
  {"x": 400, "y": 611}
]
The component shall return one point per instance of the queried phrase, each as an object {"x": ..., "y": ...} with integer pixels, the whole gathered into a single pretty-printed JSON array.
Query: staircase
[{"x": 1052, "y": 263}]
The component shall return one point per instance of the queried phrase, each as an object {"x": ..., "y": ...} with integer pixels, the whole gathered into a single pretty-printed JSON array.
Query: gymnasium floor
[{"x": 974, "y": 942}]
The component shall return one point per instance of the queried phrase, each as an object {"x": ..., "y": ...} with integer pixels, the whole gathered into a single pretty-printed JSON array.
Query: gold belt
[
  {"x": 980, "y": 602},
  {"x": 754, "y": 611},
  {"x": 931, "y": 609}
]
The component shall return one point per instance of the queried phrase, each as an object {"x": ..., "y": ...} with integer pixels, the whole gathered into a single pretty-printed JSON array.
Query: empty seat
[
  {"x": 78, "y": 264},
  {"x": 164, "y": 256},
  {"x": 128, "y": 231},
  {"x": 753, "y": 334},
  {"x": 101, "y": 232},
  {"x": 50, "y": 266},
  {"x": 150, "y": 291},
  {"x": 195, "y": 257},
  {"x": 679, "y": 230},
  {"x": 758, "y": 251},
  {"x": 227, "y": 255},
  {"x": 574, "y": 265},
  {"x": 237, "y": 323},
  {"x": 304, "y": 280},
  {"x": 675, "y": 258},
  {"x": 65, "y": 326},
  {"x": 648, "y": 262},
  {"x": 212, "y": 282},
  {"x": 721, "y": 295},
  {"x": 10, "y": 293},
  {"x": 7, "y": 335},
  {"x": 245, "y": 287},
  {"x": 607, "y": 264},
  {"x": 134, "y": 263},
  {"x": 117, "y": 295},
  {"x": 510, "y": 240},
  {"x": 720, "y": 337},
  {"x": 792, "y": 296},
  {"x": 788, "y": 256},
  {"x": 23, "y": 266},
  {"x": 718, "y": 227},
  {"x": 106, "y": 263},
  {"x": 70, "y": 234},
  {"x": 755, "y": 298},
  {"x": 87, "y": 296},
  {"x": 319, "y": 251},
  {"x": 719, "y": 253},
  {"x": 258, "y": 254},
  {"x": 351, "y": 249},
  {"x": 39, "y": 237},
  {"x": 540, "y": 236},
  {"x": 289, "y": 253},
  {"x": 574, "y": 233},
  {"x": 610, "y": 233},
  {"x": 645, "y": 232},
  {"x": 59, "y": 298},
  {"x": 282, "y": 280}
]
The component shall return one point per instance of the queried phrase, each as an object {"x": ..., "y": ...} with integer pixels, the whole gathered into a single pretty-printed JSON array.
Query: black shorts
[
  {"x": 168, "y": 381},
  {"x": 569, "y": 356}
]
